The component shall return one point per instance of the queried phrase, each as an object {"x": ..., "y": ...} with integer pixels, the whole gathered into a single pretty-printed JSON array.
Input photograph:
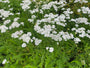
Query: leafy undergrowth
[{"x": 44, "y": 34}]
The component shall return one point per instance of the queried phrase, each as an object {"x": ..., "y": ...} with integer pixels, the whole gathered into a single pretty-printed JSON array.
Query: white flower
[
  {"x": 34, "y": 10},
  {"x": 30, "y": 20},
  {"x": 3, "y": 28},
  {"x": 31, "y": 40},
  {"x": 55, "y": 7},
  {"x": 62, "y": 17},
  {"x": 76, "y": 25},
  {"x": 18, "y": 13},
  {"x": 29, "y": 33},
  {"x": 4, "y": 61},
  {"x": 82, "y": 20},
  {"x": 47, "y": 48},
  {"x": 51, "y": 49},
  {"x": 16, "y": 19},
  {"x": 88, "y": 31},
  {"x": 14, "y": 24},
  {"x": 25, "y": 38},
  {"x": 78, "y": 10},
  {"x": 53, "y": 26},
  {"x": 84, "y": 10},
  {"x": 25, "y": 4},
  {"x": 5, "y": 13},
  {"x": 81, "y": 1},
  {"x": 33, "y": 16},
  {"x": 77, "y": 40},
  {"x": 10, "y": 8},
  {"x": 41, "y": 11},
  {"x": 7, "y": 22},
  {"x": 37, "y": 41},
  {"x": 83, "y": 62},
  {"x": 57, "y": 43},
  {"x": 16, "y": 34},
  {"x": 24, "y": 45},
  {"x": 22, "y": 23},
  {"x": 5, "y": 1}
]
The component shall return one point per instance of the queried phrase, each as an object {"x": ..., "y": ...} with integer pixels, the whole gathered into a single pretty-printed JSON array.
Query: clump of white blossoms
[
  {"x": 4, "y": 61},
  {"x": 25, "y": 4},
  {"x": 15, "y": 24},
  {"x": 37, "y": 41},
  {"x": 54, "y": 24},
  {"x": 5, "y": 1},
  {"x": 84, "y": 10},
  {"x": 81, "y": 32},
  {"x": 53, "y": 4},
  {"x": 6, "y": 22},
  {"x": 81, "y": 1},
  {"x": 3, "y": 28},
  {"x": 68, "y": 12},
  {"x": 77, "y": 40},
  {"x": 25, "y": 37},
  {"x": 50, "y": 49},
  {"x": 34, "y": 10},
  {"x": 17, "y": 34},
  {"x": 81, "y": 20},
  {"x": 4, "y": 13}
]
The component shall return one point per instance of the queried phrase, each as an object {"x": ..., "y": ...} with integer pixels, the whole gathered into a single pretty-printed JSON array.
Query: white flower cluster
[
  {"x": 81, "y": 1},
  {"x": 67, "y": 13},
  {"x": 50, "y": 22},
  {"x": 4, "y": 13},
  {"x": 41, "y": 11},
  {"x": 25, "y": 4},
  {"x": 51, "y": 49},
  {"x": 77, "y": 40},
  {"x": 37, "y": 41},
  {"x": 88, "y": 31},
  {"x": 85, "y": 10},
  {"x": 32, "y": 18},
  {"x": 6, "y": 22},
  {"x": 15, "y": 24},
  {"x": 25, "y": 37},
  {"x": 60, "y": 19},
  {"x": 17, "y": 34},
  {"x": 34, "y": 11},
  {"x": 53, "y": 4},
  {"x": 81, "y": 32},
  {"x": 50, "y": 15},
  {"x": 46, "y": 31},
  {"x": 3, "y": 28},
  {"x": 66, "y": 36},
  {"x": 81, "y": 20},
  {"x": 51, "y": 18},
  {"x": 5, "y": 1}
]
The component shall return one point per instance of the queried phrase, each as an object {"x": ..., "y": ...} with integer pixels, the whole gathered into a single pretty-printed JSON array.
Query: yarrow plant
[{"x": 44, "y": 34}]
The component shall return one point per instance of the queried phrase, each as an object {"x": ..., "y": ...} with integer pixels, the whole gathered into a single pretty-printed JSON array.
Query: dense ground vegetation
[{"x": 44, "y": 34}]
